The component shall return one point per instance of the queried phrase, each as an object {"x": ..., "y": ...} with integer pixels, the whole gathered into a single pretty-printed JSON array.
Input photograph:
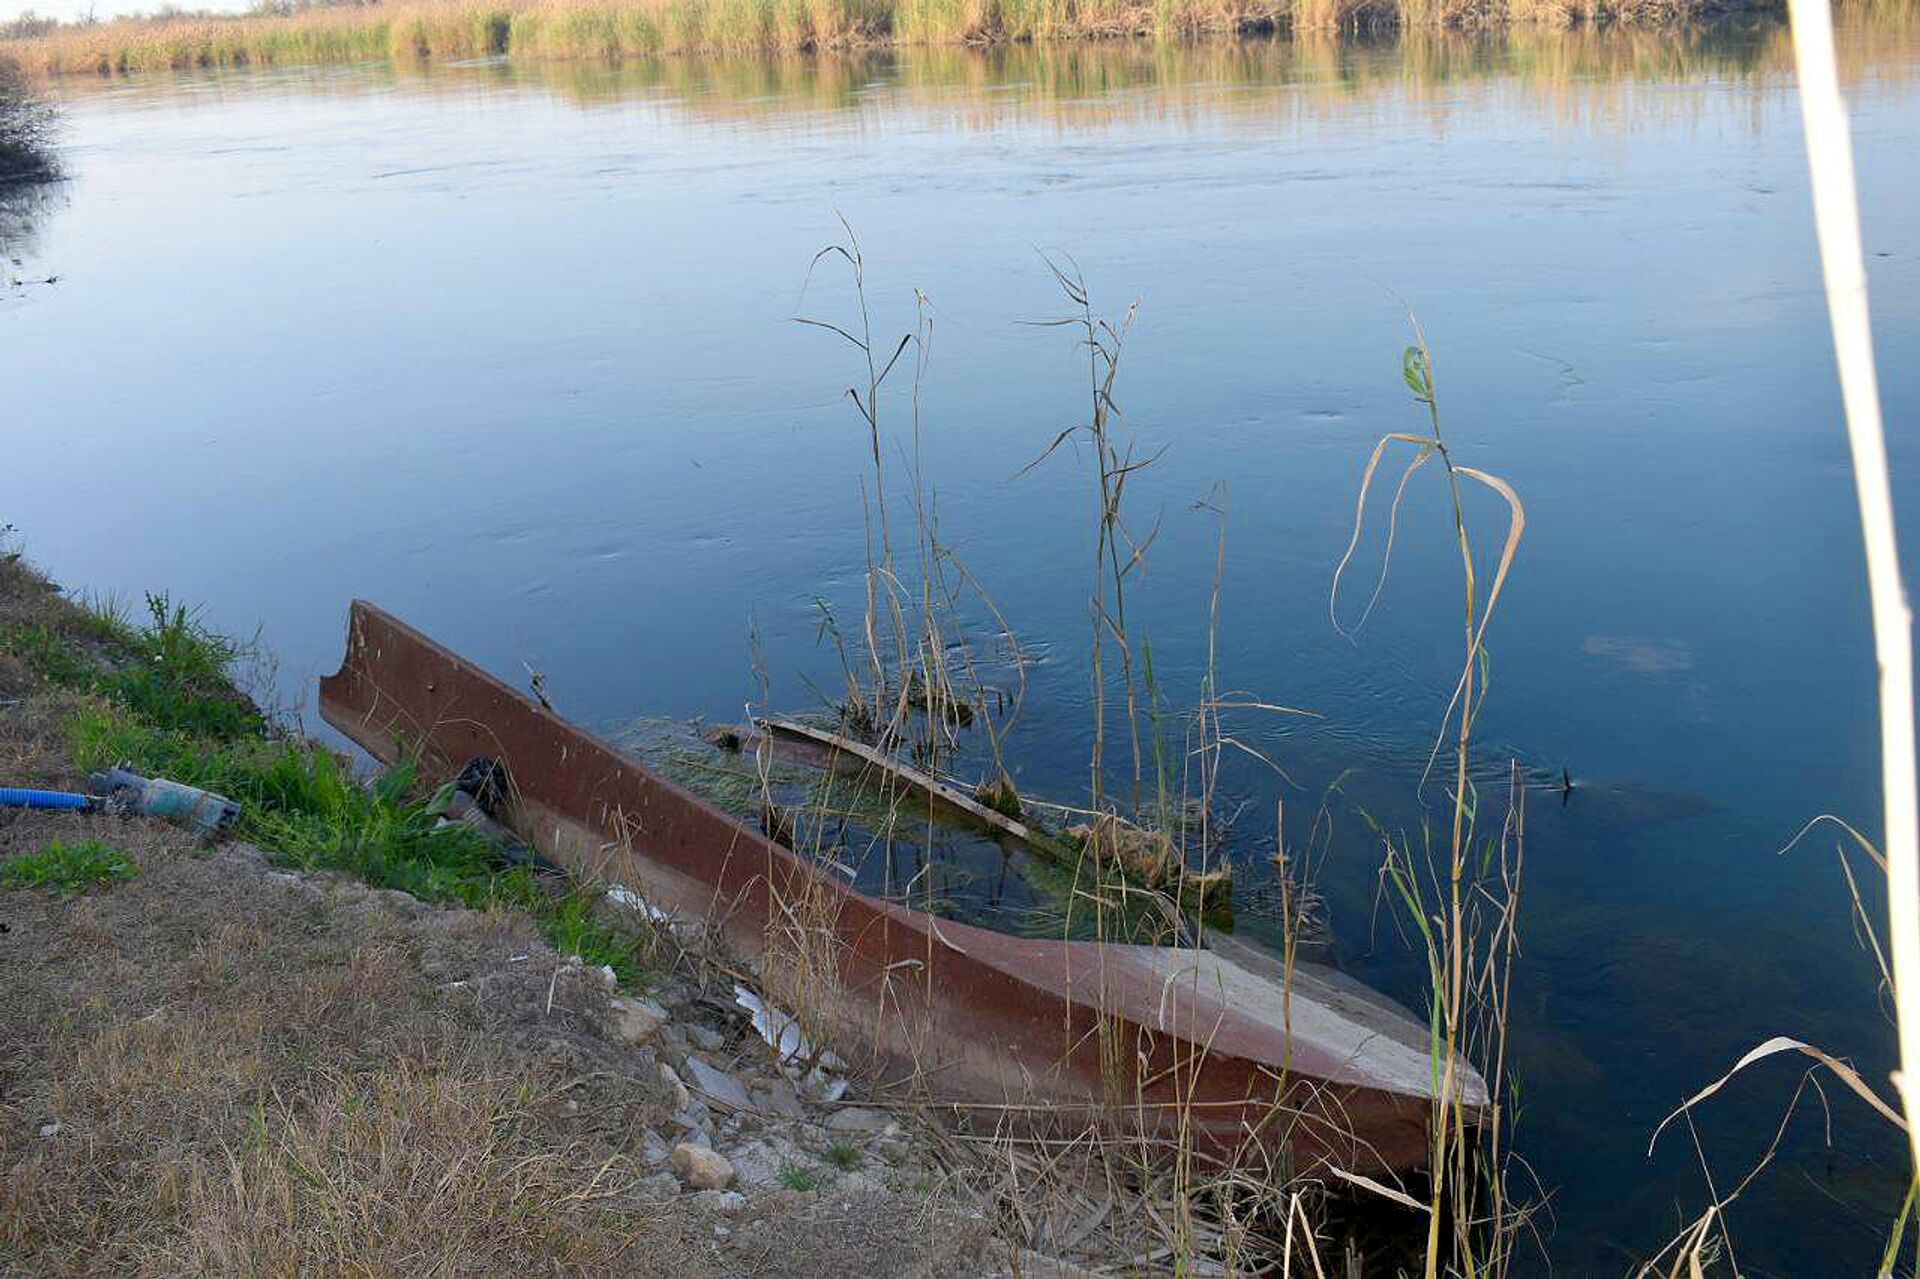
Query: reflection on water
[
  {"x": 508, "y": 349},
  {"x": 1091, "y": 84},
  {"x": 23, "y": 207}
]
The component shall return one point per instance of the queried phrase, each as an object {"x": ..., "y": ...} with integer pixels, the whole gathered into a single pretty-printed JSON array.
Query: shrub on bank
[{"x": 26, "y": 128}]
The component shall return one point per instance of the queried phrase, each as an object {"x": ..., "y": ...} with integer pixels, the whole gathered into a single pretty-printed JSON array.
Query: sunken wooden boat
[{"x": 1213, "y": 1048}]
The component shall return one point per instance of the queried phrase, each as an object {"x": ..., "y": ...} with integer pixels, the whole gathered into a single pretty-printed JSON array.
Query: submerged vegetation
[
  {"x": 936, "y": 671},
  {"x": 416, "y": 30}
]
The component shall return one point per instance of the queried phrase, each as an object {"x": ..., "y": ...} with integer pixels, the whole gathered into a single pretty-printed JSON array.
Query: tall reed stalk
[
  {"x": 1117, "y": 554},
  {"x": 1837, "y": 223},
  {"x": 1843, "y": 273},
  {"x": 1470, "y": 953}
]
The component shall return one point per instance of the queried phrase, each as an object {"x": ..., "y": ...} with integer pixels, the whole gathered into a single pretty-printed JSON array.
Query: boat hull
[{"x": 1180, "y": 1045}]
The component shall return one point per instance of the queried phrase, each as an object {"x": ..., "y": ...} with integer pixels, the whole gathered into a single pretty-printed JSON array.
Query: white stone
[
  {"x": 701, "y": 1168},
  {"x": 636, "y": 1020},
  {"x": 718, "y": 1086},
  {"x": 661, "y": 1185},
  {"x": 1034, "y": 1265},
  {"x": 678, "y": 1090},
  {"x": 779, "y": 1098},
  {"x": 758, "y": 1164},
  {"x": 859, "y": 1119}
]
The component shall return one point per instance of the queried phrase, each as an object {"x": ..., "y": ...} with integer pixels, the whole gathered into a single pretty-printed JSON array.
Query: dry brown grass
[
  {"x": 251, "y": 1074},
  {"x": 429, "y": 1161}
]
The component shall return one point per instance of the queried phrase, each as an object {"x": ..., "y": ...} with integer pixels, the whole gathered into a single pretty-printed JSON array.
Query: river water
[{"x": 511, "y": 351}]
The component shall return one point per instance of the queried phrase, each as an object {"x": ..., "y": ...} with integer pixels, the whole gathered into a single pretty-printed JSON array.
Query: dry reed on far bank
[{"x": 415, "y": 30}]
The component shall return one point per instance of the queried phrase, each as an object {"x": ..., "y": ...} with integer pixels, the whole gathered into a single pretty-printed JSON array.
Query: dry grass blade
[
  {"x": 1373, "y": 1187},
  {"x": 1707, "y": 1239},
  {"x": 1516, "y": 525},
  {"x": 1779, "y": 1044},
  {"x": 1393, "y": 530},
  {"x": 1866, "y": 845},
  {"x": 1864, "y": 922},
  {"x": 1693, "y": 1251},
  {"x": 1509, "y": 550},
  {"x": 1426, "y": 448}
]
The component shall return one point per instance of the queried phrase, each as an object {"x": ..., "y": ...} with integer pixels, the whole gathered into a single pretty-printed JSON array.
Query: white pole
[{"x": 1837, "y": 216}]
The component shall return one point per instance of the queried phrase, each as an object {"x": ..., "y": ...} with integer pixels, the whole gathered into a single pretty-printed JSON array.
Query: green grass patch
[
  {"x": 68, "y": 867},
  {"x": 47, "y": 653},
  {"x": 163, "y": 702},
  {"x": 179, "y": 672},
  {"x": 795, "y": 1177},
  {"x": 573, "y": 930},
  {"x": 306, "y": 806},
  {"x": 844, "y": 1156},
  {"x": 172, "y": 669}
]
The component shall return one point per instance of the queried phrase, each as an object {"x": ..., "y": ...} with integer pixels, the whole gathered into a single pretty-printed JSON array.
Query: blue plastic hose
[{"x": 20, "y": 797}]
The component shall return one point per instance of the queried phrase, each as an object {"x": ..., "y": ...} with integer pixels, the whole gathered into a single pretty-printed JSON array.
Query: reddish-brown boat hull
[{"x": 1001, "y": 1028}]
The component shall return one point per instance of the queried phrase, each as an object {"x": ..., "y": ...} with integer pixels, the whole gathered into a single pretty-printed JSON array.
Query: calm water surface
[{"x": 510, "y": 351}]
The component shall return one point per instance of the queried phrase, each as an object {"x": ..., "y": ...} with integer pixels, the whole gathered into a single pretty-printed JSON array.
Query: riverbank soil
[{"x": 213, "y": 1062}]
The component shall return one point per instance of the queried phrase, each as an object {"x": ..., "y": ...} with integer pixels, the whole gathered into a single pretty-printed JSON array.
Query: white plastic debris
[
  {"x": 813, "y": 1073},
  {"x": 781, "y": 1030},
  {"x": 621, "y": 895}
]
